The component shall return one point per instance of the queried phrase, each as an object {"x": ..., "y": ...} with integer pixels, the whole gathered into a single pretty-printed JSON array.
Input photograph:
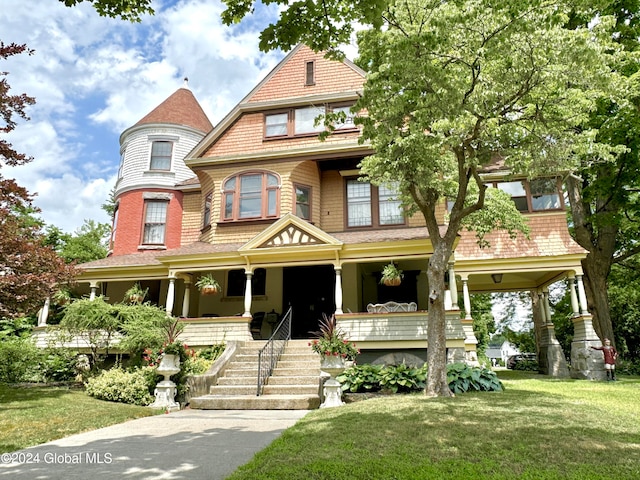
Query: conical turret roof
[{"x": 181, "y": 108}]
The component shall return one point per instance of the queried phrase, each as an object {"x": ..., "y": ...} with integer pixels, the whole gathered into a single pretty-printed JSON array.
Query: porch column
[
  {"x": 186, "y": 299},
  {"x": 551, "y": 360},
  {"x": 582, "y": 296},
  {"x": 247, "y": 295},
  {"x": 43, "y": 314},
  {"x": 94, "y": 287},
  {"x": 171, "y": 295},
  {"x": 453, "y": 287},
  {"x": 466, "y": 298},
  {"x": 574, "y": 296},
  {"x": 338, "y": 293}
]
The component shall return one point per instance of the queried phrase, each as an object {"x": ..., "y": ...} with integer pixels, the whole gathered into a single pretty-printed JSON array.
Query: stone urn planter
[
  {"x": 333, "y": 365},
  {"x": 165, "y": 391}
]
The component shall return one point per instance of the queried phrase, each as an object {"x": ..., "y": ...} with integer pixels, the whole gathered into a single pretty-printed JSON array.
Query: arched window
[{"x": 253, "y": 195}]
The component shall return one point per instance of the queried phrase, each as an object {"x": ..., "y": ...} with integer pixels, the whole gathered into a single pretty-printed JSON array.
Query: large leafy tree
[
  {"x": 29, "y": 270},
  {"x": 130, "y": 10},
  {"x": 87, "y": 243},
  {"x": 451, "y": 87},
  {"x": 603, "y": 194}
]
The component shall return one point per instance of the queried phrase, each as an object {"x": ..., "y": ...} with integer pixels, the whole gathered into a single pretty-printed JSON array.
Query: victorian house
[{"x": 281, "y": 220}]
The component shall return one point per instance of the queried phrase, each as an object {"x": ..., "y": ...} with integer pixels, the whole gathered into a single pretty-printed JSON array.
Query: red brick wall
[{"x": 130, "y": 221}]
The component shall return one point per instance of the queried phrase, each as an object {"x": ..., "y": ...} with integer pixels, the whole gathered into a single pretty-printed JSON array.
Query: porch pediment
[{"x": 290, "y": 231}]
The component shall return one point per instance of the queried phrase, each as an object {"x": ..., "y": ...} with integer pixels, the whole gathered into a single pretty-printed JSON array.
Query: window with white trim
[
  {"x": 155, "y": 222},
  {"x": 161, "y": 152}
]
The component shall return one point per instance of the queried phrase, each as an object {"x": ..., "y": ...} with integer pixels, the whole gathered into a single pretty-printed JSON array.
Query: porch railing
[{"x": 269, "y": 355}]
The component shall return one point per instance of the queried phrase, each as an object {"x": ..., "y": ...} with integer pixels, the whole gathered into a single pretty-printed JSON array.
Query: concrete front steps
[{"x": 294, "y": 384}]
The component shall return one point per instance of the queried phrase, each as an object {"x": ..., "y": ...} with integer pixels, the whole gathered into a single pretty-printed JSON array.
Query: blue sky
[{"x": 93, "y": 77}]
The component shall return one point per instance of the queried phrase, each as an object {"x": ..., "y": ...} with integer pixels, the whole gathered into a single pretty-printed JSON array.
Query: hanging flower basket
[
  {"x": 208, "y": 285},
  {"x": 391, "y": 275}
]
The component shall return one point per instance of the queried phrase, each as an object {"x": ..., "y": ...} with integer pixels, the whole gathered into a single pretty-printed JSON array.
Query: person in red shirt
[{"x": 610, "y": 356}]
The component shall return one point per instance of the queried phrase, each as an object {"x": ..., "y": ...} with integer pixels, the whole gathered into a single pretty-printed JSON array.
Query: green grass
[
  {"x": 35, "y": 415},
  {"x": 538, "y": 428}
]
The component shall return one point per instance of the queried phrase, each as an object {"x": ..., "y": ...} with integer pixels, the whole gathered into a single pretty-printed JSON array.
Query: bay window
[{"x": 252, "y": 195}]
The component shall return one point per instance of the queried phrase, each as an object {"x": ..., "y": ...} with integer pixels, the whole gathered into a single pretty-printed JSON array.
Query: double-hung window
[
  {"x": 155, "y": 222},
  {"x": 206, "y": 218},
  {"x": 252, "y": 195},
  {"x": 161, "y": 155},
  {"x": 303, "y": 201},
  {"x": 370, "y": 206}
]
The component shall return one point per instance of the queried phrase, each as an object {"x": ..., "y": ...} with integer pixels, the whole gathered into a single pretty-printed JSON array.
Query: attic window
[{"x": 310, "y": 73}]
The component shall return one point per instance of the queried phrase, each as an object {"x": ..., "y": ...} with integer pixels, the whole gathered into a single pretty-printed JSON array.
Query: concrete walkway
[{"x": 188, "y": 444}]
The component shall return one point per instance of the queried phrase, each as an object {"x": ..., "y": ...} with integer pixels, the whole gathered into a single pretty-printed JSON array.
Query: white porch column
[
  {"x": 453, "y": 287},
  {"x": 546, "y": 308},
  {"x": 338, "y": 292},
  {"x": 575, "y": 307},
  {"x": 94, "y": 287},
  {"x": 171, "y": 295},
  {"x": 43, "y": 314},
  {"x": 466, "y": 298},
  {"x": 582, "y": 296},
  {"x": 186, "y": 299},
  {"x": 247, "y": 295}
]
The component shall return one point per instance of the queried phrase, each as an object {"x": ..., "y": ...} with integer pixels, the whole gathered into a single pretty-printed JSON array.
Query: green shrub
[
  {"x": 526, "y": 365},
  {"x": 462, "y": 378},
  {"x": 402, "y": 378},
  {"x": 628, "y": 367},
  {"x": 19, "y": 360},
  {"x": 58, "y": 364},
  {"x": 361, "y": 378},
  {"x": 212, "y": 352},
  {"x": 117, "y": 385}
]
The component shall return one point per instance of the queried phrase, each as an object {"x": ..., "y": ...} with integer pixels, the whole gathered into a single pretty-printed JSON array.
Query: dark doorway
[{"x": 309, "y": 291}]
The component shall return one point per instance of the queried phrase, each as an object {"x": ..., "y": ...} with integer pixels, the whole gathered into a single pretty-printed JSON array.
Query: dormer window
[
  {"x": 310, "y": 73},
  {"x": 161, "y": 155},
  {"x": 535, "y": 195}
]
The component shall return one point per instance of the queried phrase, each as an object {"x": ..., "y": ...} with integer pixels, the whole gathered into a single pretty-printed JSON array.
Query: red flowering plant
[
  {"x": 332, "y": 341},
  {"x": 171, "y": 346}
]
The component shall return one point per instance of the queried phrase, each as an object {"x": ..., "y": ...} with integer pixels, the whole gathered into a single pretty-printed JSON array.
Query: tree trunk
[
  {"x": 599, "y": 239},
  {"x": 596, "y": 271},
  {"x": 437, "y": 385}
]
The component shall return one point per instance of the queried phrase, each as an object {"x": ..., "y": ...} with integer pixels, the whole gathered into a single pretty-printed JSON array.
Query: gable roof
[
  {"x": 181, "y": 108},
  {"x": 276, "y": 91}
]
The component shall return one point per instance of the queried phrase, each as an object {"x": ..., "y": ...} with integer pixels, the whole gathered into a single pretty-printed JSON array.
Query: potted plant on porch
[
  {"x": 391, "y": 275},
  {"x": 208, "y": 285}
]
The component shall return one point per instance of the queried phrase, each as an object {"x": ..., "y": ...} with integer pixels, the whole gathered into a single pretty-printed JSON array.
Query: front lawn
[
  {"x": 34, "y": 415},
  {"x": 539, "y": 428}
]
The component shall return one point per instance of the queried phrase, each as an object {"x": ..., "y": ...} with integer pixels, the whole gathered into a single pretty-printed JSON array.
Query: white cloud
[{"x": 93, "y": 77}]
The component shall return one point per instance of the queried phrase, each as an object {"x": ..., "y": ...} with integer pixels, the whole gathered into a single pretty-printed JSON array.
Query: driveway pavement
[{"x": 188, "y": 444}]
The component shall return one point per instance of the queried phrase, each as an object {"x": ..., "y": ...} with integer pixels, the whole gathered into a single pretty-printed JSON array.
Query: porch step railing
[{"x": 269, "y": 355}]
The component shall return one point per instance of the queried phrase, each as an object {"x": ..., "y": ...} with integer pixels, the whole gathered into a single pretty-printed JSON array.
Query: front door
[{"x": 309, "y": 291}]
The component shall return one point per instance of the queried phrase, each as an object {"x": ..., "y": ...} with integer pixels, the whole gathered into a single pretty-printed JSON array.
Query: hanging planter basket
[
  {"x": 208, "y": 285},
  {"x": 391, "y": 275}
]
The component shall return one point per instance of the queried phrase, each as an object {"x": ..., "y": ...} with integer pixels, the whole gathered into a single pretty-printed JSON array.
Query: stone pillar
[
  {"x": 171, "y": 295},
  {"x": 186, "y": 300},
  {"x": 453, "y": 287},
  {"x": 338, "y": 292},
  {"x": 247, "y": 295},
  {"x": 551, "y": 359},
  {"x": 586, "y": 363}
]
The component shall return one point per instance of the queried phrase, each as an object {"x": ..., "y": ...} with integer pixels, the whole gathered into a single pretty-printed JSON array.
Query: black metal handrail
[{"x": 269, "y": 355}]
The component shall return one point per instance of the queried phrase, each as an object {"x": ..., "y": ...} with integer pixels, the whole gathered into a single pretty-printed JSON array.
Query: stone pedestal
[
  {"x": 551, "y": 359},
  {"x": 586, "y": 364},
  {"x": 333, "y": 366}
]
